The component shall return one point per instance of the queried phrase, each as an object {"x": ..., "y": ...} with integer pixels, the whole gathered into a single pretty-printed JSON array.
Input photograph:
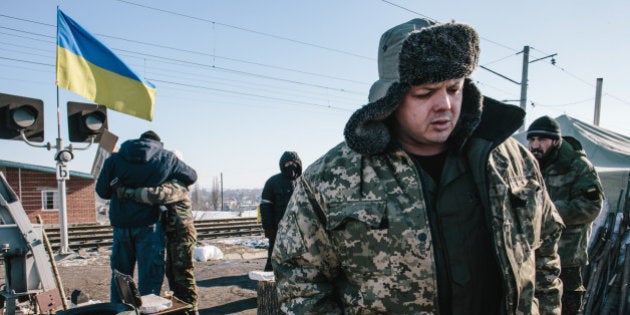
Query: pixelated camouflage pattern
[
  {"x": 181, "y": 236},
  {"x": 356, "y": 237},
  {"x": 173, "y": 194},
  {"x": 575, "y": 189}
]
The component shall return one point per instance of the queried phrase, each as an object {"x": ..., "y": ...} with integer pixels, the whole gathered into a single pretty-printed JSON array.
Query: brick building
[{"x": 37, "y": 188}]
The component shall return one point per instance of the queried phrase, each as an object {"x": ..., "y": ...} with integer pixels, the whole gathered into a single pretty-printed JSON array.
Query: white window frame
[{"x": 46, "y": 194}]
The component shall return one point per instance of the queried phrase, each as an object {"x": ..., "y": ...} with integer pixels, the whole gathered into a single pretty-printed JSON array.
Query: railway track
[{"x": 97, "y": 235}]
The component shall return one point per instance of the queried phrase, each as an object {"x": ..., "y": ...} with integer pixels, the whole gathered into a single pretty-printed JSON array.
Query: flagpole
[
  {"x": 64, "y": 155},
  {"x": 62, "y": 172}
]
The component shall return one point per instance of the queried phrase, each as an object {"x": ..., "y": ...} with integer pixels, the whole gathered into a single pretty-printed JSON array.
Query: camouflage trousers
[
  {"x": 573, "y": 290},
  {"x": 180, "y": 273}
]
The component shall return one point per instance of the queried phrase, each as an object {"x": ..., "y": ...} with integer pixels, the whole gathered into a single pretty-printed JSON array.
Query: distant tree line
[{"x": 233, "y": 199}]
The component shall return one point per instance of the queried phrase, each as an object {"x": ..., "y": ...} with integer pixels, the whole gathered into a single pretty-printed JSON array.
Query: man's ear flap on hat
[{"x": 366, "y": 131}]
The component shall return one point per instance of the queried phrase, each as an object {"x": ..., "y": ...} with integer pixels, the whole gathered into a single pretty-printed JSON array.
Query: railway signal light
[
  {"x": 21, "y": 114},
  {"x": 85, "y": 121}
]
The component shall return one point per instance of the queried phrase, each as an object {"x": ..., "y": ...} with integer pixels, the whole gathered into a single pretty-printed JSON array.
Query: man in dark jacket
[
  {"x": 181, "y": 235},
  {"x": 575, "y": 190},
  {"x": 276, "y": 195},
  {"x": 428, "y": 207},
  {"x": 138, "y": 235}
]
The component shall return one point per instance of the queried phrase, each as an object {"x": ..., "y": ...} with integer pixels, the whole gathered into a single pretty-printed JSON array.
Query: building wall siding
[{"x": 28, "y": 186}]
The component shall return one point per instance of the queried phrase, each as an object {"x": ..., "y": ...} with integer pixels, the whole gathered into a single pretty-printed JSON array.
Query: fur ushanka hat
[{"x": 423, "y": 52}]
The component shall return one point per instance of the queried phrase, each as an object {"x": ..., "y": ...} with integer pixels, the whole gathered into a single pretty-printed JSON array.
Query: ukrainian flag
[{"x": 89, "y": 68}]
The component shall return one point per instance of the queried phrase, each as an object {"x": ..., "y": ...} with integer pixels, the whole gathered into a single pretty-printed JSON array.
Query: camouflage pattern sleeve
[
  {"x": 167, "y": 193},
  {"x": 580, "y": 200},
  {"x": 548, "y": 286},
  {"x": 548, "y": 283},
  {"x": 303, "y": 262}
]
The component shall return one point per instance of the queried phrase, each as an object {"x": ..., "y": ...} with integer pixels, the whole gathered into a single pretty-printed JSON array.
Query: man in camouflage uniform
[
  {"x": 428, "y": 206},
  {"x": 575, "y": 188},
  {"x": 181, "y": 236}
]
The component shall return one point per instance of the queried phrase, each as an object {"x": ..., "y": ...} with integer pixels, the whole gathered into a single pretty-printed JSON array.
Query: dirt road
[{"x": 224, "y": 285}]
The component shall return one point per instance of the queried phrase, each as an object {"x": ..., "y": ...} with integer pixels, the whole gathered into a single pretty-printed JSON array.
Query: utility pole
[
  {"x": 524, "y": 75},
  {"x": 598, "y": 100}
]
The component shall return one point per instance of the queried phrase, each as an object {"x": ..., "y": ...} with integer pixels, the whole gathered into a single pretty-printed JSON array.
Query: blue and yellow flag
[{"x": 89, "y": 68}]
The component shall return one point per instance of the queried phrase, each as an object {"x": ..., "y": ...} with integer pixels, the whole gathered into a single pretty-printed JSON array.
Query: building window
[{"x": 50, "y": 199}]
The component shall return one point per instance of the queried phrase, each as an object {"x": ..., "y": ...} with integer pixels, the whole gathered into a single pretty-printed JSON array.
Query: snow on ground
[
  {"x": 253, "y": 242},
  {"x": 91, "y": 256},
  {"x": 206, "y": 215}
]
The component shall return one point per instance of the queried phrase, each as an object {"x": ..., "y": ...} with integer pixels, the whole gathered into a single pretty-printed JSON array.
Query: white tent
[{"x": 607, "y": 150}]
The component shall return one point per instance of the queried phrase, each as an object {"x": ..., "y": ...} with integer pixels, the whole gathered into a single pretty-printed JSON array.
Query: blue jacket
[{"x": 139, "y": 163}]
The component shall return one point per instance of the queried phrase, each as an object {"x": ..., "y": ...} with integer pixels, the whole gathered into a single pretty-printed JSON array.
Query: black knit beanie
[
  {"x": 546, "y": 127},
  {"x": 150, "y": 135}
]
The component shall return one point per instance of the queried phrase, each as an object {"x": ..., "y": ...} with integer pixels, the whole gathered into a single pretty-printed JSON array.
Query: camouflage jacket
[
  {"x": 575, "y": 189},
  {"x": 175, "y": 196},
  {"x": 355, "y": 238}
]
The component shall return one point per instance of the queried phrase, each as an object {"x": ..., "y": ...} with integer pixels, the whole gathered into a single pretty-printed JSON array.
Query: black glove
[
  {"x": 269, "y": 233},
  {"x": 124, "y": 193}
]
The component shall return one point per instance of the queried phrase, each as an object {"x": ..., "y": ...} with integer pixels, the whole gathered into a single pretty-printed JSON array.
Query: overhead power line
[
  {"x": 553, "y": 63},
  {"x": 188, "y": 51},
  {"x": 253, "y": 95},
  {"x": 251, "y": 62},
  {"x": 409, "y": 10},
  {"x": 226, "y": 68},
  {"x": 500, "y": 59},
  {"x": 436, "y": 20},
  {"x": 28, "y": 61},
  {"x": 250, "y": 30},
  {"x": 590, "y": 99},
  {"x": 214, "y": 89}
]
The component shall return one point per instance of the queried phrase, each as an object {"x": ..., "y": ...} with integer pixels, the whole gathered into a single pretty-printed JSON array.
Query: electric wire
[
  {"x": 263, "y": 34},
  {"x": 518, "y": 52},
  {"x": 249, "y": 30}
]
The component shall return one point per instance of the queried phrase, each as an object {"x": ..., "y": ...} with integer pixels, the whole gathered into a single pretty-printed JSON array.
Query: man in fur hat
[
  {"x": 428, "y": 206},
  {"x": 575, "y": 188}
]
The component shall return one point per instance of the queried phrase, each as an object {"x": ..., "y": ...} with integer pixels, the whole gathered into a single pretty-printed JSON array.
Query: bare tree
[
  {"x": 215, "y": 194},
  {"x": 197, "y": 197}
]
